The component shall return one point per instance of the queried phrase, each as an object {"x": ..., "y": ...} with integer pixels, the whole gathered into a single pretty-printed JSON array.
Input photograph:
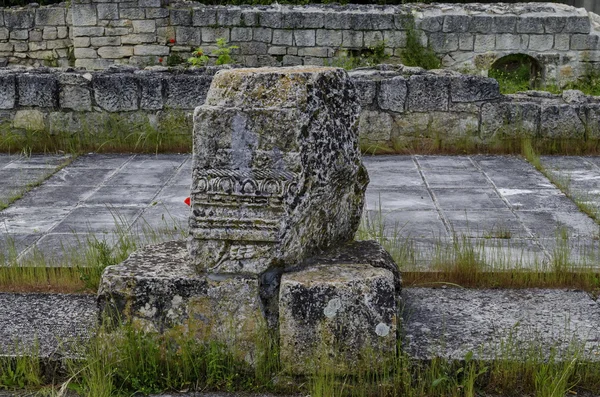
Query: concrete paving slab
[
  {"x": 68, "y": 177},
  {"x": 25, "y": 220},
  {"x": 98, "y": 219},
  {"x": 445, "y": 162},
  {"x": 456, "y": 179},
  {"x": 453, "y": 322},
  {"x": 413, "y": 224},
  {"x": 422, "y": 197},
  {"x": 538, "y": 200},
  {"x": 553, "y": 224},
  {"x": 453, "y": 199},
  {"x": 55, "y": 196},
  {"x": 406, "y": 198},
  {"x": 123, "y": 195},
  {"x": 496, "y": 224}
]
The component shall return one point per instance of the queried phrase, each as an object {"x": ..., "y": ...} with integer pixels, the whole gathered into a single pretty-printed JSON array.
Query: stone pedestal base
[
  {"x": 158, "y": 289},
  {"x": 342, "y": 308},
  {"x": 343, "y": 303}
]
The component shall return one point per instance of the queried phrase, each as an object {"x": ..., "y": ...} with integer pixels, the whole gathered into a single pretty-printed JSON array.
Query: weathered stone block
[
  {"x": 561, "y": 121},
  {"x": 428, "y": 92},
  {"x": 158, "y": 13},
  {"x": 84, "y": 15},
  {"x": 152, "y": 92},
  {"x": 50, "y": 16},
  {"x": 212, "y": 34},
  {"x": 584, "y": 42},
  {"x": 337, "y": 21},
  {"x": 393, "y": 93},
  {"x": 7, "y": 91},
  {"x": 432, "y": 24},
  {"x": 283, "y": 37},
  {"x": 268, "y": 137},
  {"x": 304, "y": 38},
  {"x": 341, "y": 307},
  {"x": 75, "y": 92},
  {"x": 108, "y": 11},
  {"x": 115, "y": 52},
  {"x": 105, "y": 41},
  {"x": 188, "y": 35},
  {"x": 375, "y": 126},
  {"x": 467, "y": 88},
  {"x": 38, "y": 90},
  {"x": 116, "y": 92},
  {"x": 249, "y": 18},
  {"x": 19, "y": 19},
  {"x": 263, "y": 35},
  {"x": 88, "y": 31},
  {"x": 577, "y": 24},
  {"x": 504, "y": 24},
  {"x": 394, "y": 39},
  {"x": 186, "y": 91},
  {"x": 158, "y": 289},
  {"x": 132, "y": 13},
  {"x": 508, "y": 42},
  {"x": 181, "y": 16},
  {"x": 456, "y": 23},
  {"x": 30, "y": 119},
  {"x": 481, "y": 24},
  {"x": 158, "y": 50},
  {"x": 204, "y": 16},
  {"x": 541, "y": 42},
  {"x": 83, "y": 53},
  {"x": 49, "y": 33},
  {"x": 19, "y": 34},
  {"x": 352, "y": 39},
  {"x": 510, "y": 119},
  {"x": 366, "y": 89},
  {"x": 144, "y": 26},
  {"x": 443, "y": 42},
  {"x": 562, "y": 42},
  {"x": 530, "y": 24},
  {"x": 241, "y": 34},
  {"x": 554, "y": 24},
  {"x": 229, "y": 16}
]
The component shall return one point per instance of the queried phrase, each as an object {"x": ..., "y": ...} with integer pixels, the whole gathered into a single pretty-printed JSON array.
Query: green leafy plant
[
  {"x": 415, "y": 54},
  {"x": 198, "y": 58},
  {"x": 223, "y": 52}
]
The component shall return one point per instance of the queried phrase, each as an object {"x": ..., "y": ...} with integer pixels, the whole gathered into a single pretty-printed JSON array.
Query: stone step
[{"x": 445, "y": 322}]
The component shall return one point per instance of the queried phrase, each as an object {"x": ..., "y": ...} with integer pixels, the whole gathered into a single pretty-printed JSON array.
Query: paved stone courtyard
[
  {"x": 500, "y": 204},
  {"x": 499, "y": 201}
]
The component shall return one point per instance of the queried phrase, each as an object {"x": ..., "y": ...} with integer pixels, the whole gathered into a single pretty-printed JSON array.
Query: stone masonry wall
[
  {"x": 470, "y": 37},
  {"x": 399, "y": 103},
  {"x": 35, "y": 35}
]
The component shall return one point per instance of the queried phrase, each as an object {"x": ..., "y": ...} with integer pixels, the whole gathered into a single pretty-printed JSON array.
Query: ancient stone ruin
[{"x": 277, "y": 194}]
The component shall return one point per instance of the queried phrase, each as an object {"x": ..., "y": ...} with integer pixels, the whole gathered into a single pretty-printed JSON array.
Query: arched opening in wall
[{"x": 516, "y": 72}]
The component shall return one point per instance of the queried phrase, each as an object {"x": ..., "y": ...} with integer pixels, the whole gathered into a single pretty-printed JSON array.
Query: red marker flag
[{"x": 187, "y": 201}]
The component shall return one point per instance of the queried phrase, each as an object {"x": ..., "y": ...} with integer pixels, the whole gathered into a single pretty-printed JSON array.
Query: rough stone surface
[
  {"x": 116, "y": 92},
  {"x": 56, "y": 323},
  {"x": 339, "y": 306},
  {"x": 272, "y": 149},
  {"x": 158, "y": 289},
  {"x": 453, "y": 322}
]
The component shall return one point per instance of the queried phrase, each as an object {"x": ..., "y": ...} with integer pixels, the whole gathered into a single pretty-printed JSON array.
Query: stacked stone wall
[
  {"x": 564, "y": 40},
  {"x": 35, "y": 35},
  {"x": 399, "y": 104}
]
